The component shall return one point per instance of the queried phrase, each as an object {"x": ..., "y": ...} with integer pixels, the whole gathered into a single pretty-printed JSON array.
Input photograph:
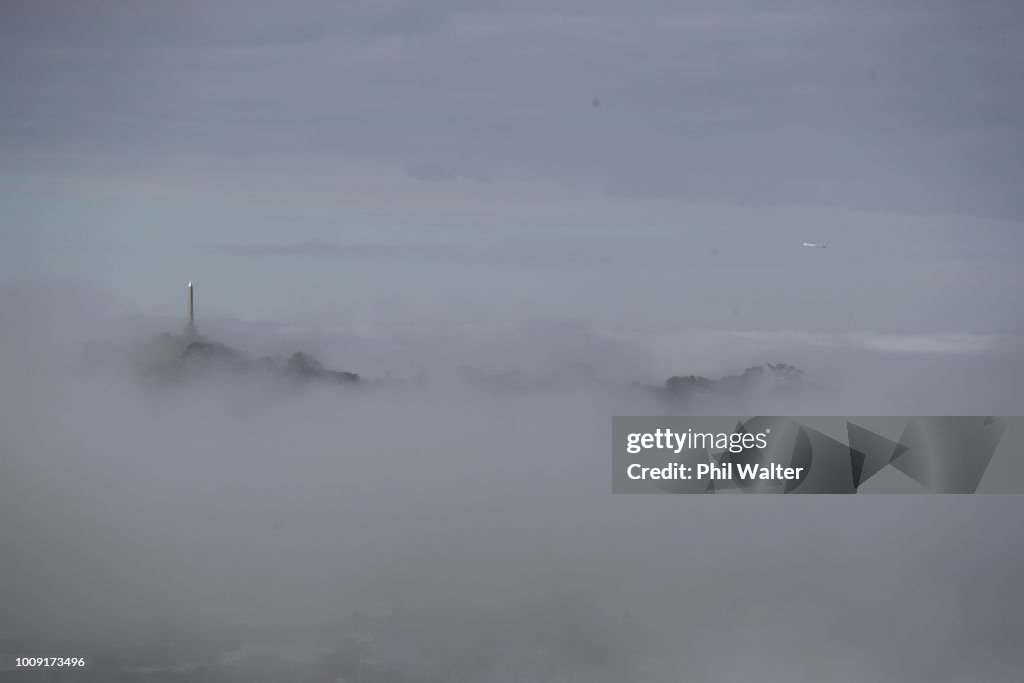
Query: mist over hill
[
  {"x": 172, "y": 358},
  {"x": 213, "y": 508},
  {"x": 432, "y": 250}
]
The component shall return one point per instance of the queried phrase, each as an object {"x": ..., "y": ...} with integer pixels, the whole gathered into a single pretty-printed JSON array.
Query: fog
[
  {"x": 513, "y": 221},
  {"x": 136, "y": 516}
]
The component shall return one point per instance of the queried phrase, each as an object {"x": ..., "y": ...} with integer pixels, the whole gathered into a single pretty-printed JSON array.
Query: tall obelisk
[{"x": 190, "y": 328}]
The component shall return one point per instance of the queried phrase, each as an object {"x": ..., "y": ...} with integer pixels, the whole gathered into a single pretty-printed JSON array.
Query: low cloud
[{"x": 142, "y": 514}]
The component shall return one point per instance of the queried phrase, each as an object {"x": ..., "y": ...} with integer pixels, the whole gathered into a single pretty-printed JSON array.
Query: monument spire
[{"x": 190, "y": 328}]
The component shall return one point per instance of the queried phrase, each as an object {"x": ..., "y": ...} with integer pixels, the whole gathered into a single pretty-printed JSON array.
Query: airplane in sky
[{"x": 815, "y": 245}]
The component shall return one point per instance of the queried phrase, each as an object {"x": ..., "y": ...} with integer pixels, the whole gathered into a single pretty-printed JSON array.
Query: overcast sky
[{"x": 587, "y": 159}]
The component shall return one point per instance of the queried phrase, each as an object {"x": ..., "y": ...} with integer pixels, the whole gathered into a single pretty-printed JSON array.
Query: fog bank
[{"x": 134, "y": 513}]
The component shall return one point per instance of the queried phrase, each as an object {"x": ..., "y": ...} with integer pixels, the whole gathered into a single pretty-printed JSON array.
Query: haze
[{"x": 586, "y": 195}]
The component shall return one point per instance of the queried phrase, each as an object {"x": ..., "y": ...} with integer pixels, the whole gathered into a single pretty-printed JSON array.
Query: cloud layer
[
  {"x": 912, "y": 108},
  {"x": 143, "y": 514}
]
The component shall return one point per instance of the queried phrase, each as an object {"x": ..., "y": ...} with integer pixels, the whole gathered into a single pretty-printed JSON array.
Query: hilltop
[{"x": 170, "y": 356}]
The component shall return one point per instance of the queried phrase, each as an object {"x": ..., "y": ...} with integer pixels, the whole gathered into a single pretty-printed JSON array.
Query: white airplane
[{"x": 815, "y": 245}]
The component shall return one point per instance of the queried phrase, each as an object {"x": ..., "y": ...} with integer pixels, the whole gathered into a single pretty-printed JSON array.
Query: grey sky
[{"x": 141, "y": 138}]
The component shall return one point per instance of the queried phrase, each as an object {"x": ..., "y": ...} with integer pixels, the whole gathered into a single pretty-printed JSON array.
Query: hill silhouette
[
  {"x": 181, "y": 357},
  {"x": 170, "y": 356}
]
